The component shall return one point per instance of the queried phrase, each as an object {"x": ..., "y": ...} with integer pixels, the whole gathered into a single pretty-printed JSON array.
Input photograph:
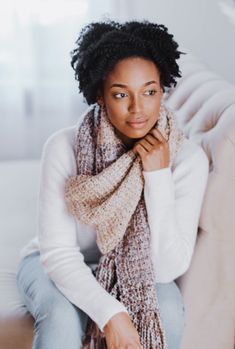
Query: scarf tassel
[
  {"x": 151, "y": 331},
  {"x": 94, "y": 338}
]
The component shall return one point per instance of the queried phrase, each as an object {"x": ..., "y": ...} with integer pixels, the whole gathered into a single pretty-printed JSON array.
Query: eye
[
  {"x": 120, "y": 95},
  {"x": 152, "y": 92}
]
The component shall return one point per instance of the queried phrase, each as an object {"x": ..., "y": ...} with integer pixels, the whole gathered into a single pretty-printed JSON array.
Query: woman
[{"x": 119, "y": 204}]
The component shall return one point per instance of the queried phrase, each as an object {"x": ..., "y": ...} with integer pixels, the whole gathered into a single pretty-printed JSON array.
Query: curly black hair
[{"x": 101, "y": 45}]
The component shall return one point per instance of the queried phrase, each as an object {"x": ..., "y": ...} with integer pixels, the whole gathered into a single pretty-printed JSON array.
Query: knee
[
  {"x": 54, "y": 307},
  {"x": 170, "y": 302},
  {"x": 58, "y": 323}
]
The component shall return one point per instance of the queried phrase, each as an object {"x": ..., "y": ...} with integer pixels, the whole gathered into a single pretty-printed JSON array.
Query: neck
[{"x": 128, "y": 142}]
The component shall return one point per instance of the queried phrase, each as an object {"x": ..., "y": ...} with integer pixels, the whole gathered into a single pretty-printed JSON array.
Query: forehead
[{"x": 133, "y": 70}]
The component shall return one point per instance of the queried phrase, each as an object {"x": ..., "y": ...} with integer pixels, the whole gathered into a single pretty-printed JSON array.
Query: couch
[{"x": 205, "y": 107}]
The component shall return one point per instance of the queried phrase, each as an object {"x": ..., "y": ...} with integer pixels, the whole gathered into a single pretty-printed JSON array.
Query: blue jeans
[{"x": 60, "y": 324}]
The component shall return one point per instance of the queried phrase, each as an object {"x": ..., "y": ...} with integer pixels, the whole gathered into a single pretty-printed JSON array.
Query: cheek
[
  {"x": 152, "y": 111},
  {"x": 116, "y": 114},
  {"x": 151, "y": 105}
]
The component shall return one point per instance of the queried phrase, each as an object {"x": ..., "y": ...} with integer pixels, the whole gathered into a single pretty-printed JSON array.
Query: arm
[
  {"x": 60, "y": 253},
  {"x": 173, "y": 202}
]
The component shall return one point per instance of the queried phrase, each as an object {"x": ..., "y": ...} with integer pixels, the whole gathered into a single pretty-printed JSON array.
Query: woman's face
[{"x": 132, "y": 95}]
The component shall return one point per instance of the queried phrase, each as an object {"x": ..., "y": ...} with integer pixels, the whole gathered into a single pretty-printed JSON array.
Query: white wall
[
  {"x": 198, "y": 26},
  {"x": 38, "y": 92}
]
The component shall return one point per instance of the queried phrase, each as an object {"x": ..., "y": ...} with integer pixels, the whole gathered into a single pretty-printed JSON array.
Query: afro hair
[{"x": 101, "y": 45}]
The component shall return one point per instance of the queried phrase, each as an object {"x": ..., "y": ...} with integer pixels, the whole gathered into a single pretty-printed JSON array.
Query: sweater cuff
[
  {"x": 159, "y": 187},
  {"x": 109, "y": 312}
]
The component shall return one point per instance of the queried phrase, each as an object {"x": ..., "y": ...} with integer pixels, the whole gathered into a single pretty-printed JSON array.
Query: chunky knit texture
[{"x": 108, "y": 192}]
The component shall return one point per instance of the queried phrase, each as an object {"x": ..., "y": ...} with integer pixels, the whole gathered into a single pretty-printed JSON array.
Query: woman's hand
[
  {"x": 153, "y": 150},
  {"x": 120, "y": 333}
]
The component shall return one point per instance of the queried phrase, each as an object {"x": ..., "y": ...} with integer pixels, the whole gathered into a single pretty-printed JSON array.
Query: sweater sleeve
[
  {"x": 59, "y": 250},
  {"x": 173, "y": 202}
]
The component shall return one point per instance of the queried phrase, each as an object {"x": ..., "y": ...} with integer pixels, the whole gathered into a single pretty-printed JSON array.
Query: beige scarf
[{"x": 107, "y": 192}]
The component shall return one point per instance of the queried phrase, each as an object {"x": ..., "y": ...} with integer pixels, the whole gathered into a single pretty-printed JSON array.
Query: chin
[{"x": 138, "y": 133}]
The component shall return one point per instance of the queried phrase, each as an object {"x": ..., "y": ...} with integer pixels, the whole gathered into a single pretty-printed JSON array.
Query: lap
[{"x": 37, "y": 289}]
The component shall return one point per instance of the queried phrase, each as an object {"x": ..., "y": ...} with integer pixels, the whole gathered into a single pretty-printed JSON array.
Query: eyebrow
[{"x": 145, "y": 84}]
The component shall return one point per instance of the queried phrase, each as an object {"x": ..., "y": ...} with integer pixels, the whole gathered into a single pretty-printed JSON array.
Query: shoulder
[
  {"x": 191, "y": 163},
  {"x": 60, "y": 139},
  {"x": 190, "y": 154},
  {"x": 58, "y": 151}
]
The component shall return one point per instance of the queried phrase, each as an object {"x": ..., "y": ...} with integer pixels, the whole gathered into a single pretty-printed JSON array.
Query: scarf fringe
[
  {"x": 94, "y": 338},
  {"x": 95, "y": 343},
  {"x": 149, "y": 328},
  {"x": 151, "y": 331}
]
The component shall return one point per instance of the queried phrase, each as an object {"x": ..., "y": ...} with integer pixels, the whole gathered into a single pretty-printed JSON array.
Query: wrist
[
  {"x": 154, "y": 168},
  {"x": 114, "y": 319}
]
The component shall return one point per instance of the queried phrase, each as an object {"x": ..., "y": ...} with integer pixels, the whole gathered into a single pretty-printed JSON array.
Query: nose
[{"x": 135, "y": 105}]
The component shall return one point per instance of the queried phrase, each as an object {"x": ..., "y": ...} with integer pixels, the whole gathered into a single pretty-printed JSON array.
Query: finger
[
  {"x": 151, "y": 139},
  {"x": 135, "y": 345},
  {"x": 156, "y": 133},
  {"x": 145, "y": 144},
  {"x": 138, "y": 344},
  {"x": 140, "y": 150}
]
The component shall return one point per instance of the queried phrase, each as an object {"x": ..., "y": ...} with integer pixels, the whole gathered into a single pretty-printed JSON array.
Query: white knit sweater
[{"x": 173, "y": 199}]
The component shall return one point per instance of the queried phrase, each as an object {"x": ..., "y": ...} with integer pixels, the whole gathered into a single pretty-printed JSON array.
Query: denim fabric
[{"x": 60, "y": 324}]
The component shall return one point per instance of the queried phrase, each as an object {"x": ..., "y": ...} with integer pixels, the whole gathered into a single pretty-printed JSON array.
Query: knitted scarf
[{"x": 107, "y": 192}]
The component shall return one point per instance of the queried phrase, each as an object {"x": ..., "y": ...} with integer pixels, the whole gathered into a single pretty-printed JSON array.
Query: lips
[{"x": 138, "y": 123}]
